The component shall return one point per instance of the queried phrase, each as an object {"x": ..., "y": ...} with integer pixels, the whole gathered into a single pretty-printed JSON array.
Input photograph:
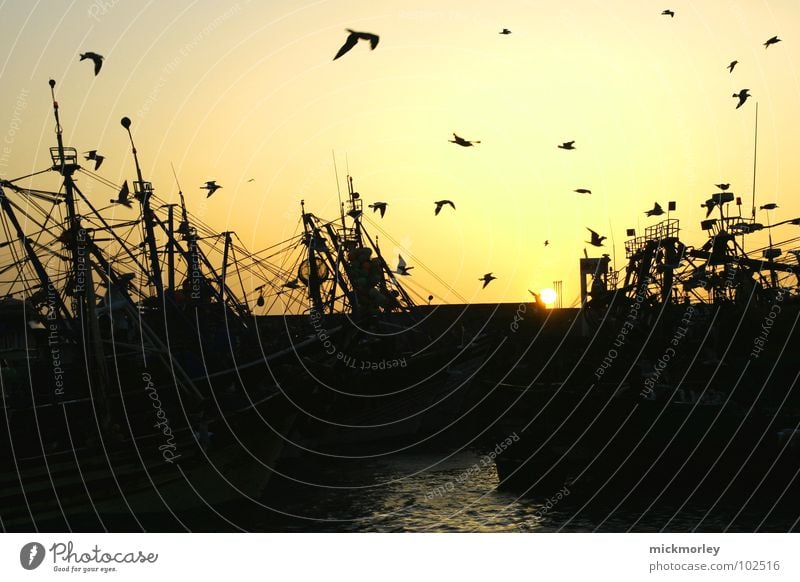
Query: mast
[
  {"x": 78, "y": 241},
  {"x": 755, "y": 156},
  {"x": 312, "y": 236},
  {"x": 143, "y": 191}
]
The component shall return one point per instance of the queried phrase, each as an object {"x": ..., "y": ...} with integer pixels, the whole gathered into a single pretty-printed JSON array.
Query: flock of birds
[{"x": 351, "y": 41}]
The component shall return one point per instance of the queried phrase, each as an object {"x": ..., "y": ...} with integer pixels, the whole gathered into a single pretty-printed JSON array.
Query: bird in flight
[
  {"x": 402, "y": 268},
  {"x": 583, "y": 191},
  {"x": 440, "y": 204},
  {"x": 463, "y": 142},
  {"x": 505, "y": 31},
  {"x": 669, "y": 13},
  {"x": 773, "y": 40},
  {"x": 742, "y": 95},
  {"x": 733, "y": 64},
  {"x": 723, "y": 187},
  {"x": 567, "y": 145},
  {"x": 709, "y": 206},
  {"x": 379, "y": 206},
  {"x": 597, "y": 240},
  {"x": 251, "y": 180},
  {"x": 122, "y": 197},
  {"x": 769, "y": 206},
  {"x": 547, "y": 243},
  {"x": 353, "y": 38},
  {"x": 96, "y": 59},
  {"x": 655, "y": 211},
  {"x": 211, "y": 186},
  {"x": 98, "y": 159},
  {"x": 487, "y": 278}
]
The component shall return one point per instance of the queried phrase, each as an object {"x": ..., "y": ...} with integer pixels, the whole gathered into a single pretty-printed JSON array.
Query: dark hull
[
  {"x": 679, "y": 412},
  {"x": 133, "y": 484}
]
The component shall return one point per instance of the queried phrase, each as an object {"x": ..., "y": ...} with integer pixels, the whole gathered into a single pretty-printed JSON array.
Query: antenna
[
  {"x": 755, "y": 156},
  {"x": 338, "y": 188}
]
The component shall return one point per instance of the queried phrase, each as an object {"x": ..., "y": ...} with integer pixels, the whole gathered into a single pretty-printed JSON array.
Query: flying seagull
[
  {"x": 98, "y": 159},
  {"x": 669, "y": 13},
  {"x": 709, "y": 206},
  {"x": 379, "y": 206},
  {"x": 733, "y": 64},
  {"x": 212, "y": 187},
  {"x": 773, "y": 40},
  {"x": 547, "y": 242},
  {"x": 505, "y": 31},
  {"x": 655, "y": 211},
  {"x": 96, "y": 59},
  {"x": 440, "y": 204},
  {"x": 487, "y": 278},
  {"x": 723, "y": 187},
  {"x": 251, "y": 180},
  {"x": 122, "y": 197},
  {"x": 402, "y": 268},
  {"x": 353, "y": 38},
  {"x": 568, "y": 145},
  {"x": 463, "y": 142},
  {"x": 742, "y": 95},
  {"x": 583, "y": 191},
  {"x": 769, "y": 206},
  {"x": 597, "y": 240}
]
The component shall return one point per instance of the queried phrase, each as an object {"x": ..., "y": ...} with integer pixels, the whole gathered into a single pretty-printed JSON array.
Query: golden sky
[{"x": 233, "y": 91}]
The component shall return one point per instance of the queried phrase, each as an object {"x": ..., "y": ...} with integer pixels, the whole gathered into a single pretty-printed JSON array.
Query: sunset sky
[{"x": 233, "y": 91}]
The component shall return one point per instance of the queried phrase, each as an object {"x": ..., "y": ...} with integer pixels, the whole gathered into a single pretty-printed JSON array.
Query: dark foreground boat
[
  {"x": 680, "y": 384},
  {"x": 132, "y": 383}
]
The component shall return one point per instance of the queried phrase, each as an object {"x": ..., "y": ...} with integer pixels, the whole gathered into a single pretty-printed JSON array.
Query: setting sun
[{"x": 548, "y": 296}]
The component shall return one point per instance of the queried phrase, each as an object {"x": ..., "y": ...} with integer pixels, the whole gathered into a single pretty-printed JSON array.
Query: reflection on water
[{"x": 433, "y": 492}]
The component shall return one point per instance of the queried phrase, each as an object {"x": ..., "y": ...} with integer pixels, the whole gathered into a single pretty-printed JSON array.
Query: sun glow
[{"x": 548, "y": 296}]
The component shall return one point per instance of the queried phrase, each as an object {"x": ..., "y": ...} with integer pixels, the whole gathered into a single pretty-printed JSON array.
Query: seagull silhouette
[
  {"x": 122, "y": 197},
  {"x": 709, "y": 206},
  {"x": 505, "y": 31},
  {"x": 742, "y": 95},
  {"x": 723, "y": 187},
  {"x": 251, "y": 180},
  {"x": 546, "y": 243},
  {"x": 93, "y": 155},
  {"x": 462, "y": 142},
  {"x": 583, "y": 191},
  {"x": 669, "y": 13},
  {"x": 379, "y": 206},
  {"x": 353, "y": 38},
  {"x": 769, "y": 206},
  {"x": 402, "y": 268},
  {"x": 597, "y": 240},
  {"x": 568, "y": 145},
  {"x": 773, "y": 40},
  {"x": 487, "y": 278},
  {"x": 212, "y": 187},
  {"x": 96, "y": 59},
  {"x": 655, "y": 211},
  {"x": 733, "y": 64},
  {"x": 440, "y": 204}
]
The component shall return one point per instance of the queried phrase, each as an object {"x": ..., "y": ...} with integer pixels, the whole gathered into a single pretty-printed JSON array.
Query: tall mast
[
  {"x": 755, "y": 156},
  {"x": 143, "y": 191},
  {"x": 65, "y": 161}
]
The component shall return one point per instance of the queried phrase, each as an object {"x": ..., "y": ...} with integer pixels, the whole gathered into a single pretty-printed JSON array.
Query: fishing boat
[
  {"x": 133, "y": 386},
  {"x": 390, "y": 373},
  {"x": 674, "y": 379}
]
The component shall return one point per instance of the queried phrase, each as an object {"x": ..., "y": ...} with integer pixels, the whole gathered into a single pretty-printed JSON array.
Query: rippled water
[{"x": 432, "y": 492}]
